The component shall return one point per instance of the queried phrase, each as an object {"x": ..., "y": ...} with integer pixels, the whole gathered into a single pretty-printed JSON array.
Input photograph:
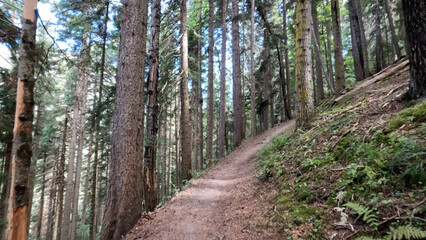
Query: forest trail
[{"x": 218, "y": 205}]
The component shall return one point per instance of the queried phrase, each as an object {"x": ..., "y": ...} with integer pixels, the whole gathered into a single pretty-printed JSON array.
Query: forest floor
[{"x": 227, "y": 202}]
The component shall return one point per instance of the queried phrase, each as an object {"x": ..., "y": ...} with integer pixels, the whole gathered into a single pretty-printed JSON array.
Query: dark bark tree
[
  {"x": 41, "y": 207},
  {"x": 392, "y": 29},
  {"x": 184, "y": 97},
  {"x": 222, "y": 113},
  {"x": 200, "y": 90},
  {"x": 252, "y": 77},
  {"x": 209, "y": 142},
  {"x": 415, "y": 25},
  {"x": 287, "y": 62},
  {"x": 124, "y": 191},
  {"x": 319, "y": 81},
  {"x": 20, "y": 172},
  {"x": 239, "y": 133},
  {"x": 303, "y": 68},
  {"x": 357, "y": 47},
  {"x": 339, "y": 68},
  {"x": 150, "y": 153},
  {"x": 378, "y": 33}
]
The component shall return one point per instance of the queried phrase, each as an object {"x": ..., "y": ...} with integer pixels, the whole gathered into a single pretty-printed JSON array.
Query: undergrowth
[{"x": 351, "y": 173}]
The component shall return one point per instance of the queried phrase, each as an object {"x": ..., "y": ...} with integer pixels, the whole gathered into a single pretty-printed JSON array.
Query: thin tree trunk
[
  {"x": 304, "y": 64},
  {"x": 252, "y": 77},
  {"x": 392, "y": 29},
  {"x": 200, "y": 90},
  {"x": 210, "y": 105},
  {"x": 21, "y": 177},
  {"x": 222, "y": 114},
  {"x": 54, "y": 164},
  {"x": 87, "y": 177},
  {"x": 287, "y": 62},
  {"x": 363, "y": 40},
  {"x": 150, "y": 153},
  {"x": 124, "y": 193},
  {"x": 357, "y": 52},
  {"x": 41, "y": 204},
  {"x": 184, "y": 115},
  {"x": 339, "y": 68},
  {"x": 319, "y": 81},
  {"x": 98, "y": 115},
  {"x": 378, "y": 33},
  {"x": 239, "y": 134},
  {"x": 328, "y": 49},
  {"x": 61, "y": 182}
]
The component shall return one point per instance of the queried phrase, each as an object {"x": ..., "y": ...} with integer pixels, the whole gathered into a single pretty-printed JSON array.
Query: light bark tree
[
  {"x": 305, "y": 105},
  {"x": 415, "y": 25},
  {"x": 339, "y": 67},
  {"x": 124, "y": 191},
  {"x": 20, "y": 172}
]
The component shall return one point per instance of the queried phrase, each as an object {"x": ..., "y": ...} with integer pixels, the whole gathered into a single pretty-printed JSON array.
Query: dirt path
[{"x": 223, "y": 204}]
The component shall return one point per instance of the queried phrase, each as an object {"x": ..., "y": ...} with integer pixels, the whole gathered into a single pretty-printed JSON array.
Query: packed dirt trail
[{"x": 224, "y": 203}]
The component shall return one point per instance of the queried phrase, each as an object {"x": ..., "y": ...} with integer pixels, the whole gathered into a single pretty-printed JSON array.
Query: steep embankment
[
  {"x": 225, "y": 203},
  {"x": 359, "y": 171}
]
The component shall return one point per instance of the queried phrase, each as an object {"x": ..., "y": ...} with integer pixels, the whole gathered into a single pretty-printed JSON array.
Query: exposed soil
[{"x": 225, "y": 203}]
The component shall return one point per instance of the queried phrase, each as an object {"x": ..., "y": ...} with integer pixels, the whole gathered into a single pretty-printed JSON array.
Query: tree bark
[
  {"x": 357, "y": 52},
  {"x": 200, "y": 90},
  {"x": 210, "y": 105},
  {"x": 415, "y": 25},
  {"x": 378, "y": 33},
  {"x": 339, "y": 67},
  {"x": 150, "y": 153},
  {"x": 305, "y": 105},
  {"x": 222, "y": 113},
  {"x": 318, "y": 68},
  {"x": 239, "y": 134},
  {"x": 21, "y": 177},
  {"x": 124, "y": 191},
  {"x": 61, "y": 182},
  {"x": 287, "y": 63},
  {"x": 41, "y": 205},
  {"x": 392, "y": 29},
  {"x": 184, "y": 116},
  {"x": 252, "y": 77}
]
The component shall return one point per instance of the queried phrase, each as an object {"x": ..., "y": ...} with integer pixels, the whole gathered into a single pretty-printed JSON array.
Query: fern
[
  {"x": 367, "y": 213},
  {"x": 367, "y": 238},
  {"x": 406, "y": 232}
]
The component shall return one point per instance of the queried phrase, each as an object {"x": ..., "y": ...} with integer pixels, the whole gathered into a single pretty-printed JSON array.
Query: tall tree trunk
[
  {"x": 318, "y": 68},
  {"x": 87, "y": 177},
  {"x": 210, "y": 96},
  {"x": 53, "y": 164},
  {"x": 84, "y": 56},
  {"x": 364, "y": 43},
  {"x": 252, "y": 77},
  {"x": 287, "y": 62},
  {"x": 61, "y": 182},
  {"x": 328, "y": 48},
  {"x": 222, "y": 107},
  {"x": 150, "y": 153},
  {"x": 339, "y": 67},
  {"x": 20, "y": 188},
  {"x": 378, "y": 33},
  {"x": 184, "y": 116},
  {"x": 200, "y": 90},
  {"x": 239, "y": 134},
  {"x": 303, "y": 68},
  {"x": 415, "y": 25},
  {"x": 124, "y": 193},
  {"x": 357, "y": 51},
  {"x": 392, "y": 29},
  {"x": 41, "y": 204},
  {"x": 98, "y": 114}
]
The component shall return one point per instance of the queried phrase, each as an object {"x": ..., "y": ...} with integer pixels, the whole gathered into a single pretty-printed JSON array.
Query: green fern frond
[
  {"x": 406, "y": 232},
  {"x": 367, "y": 238},
  {"x": 368, "y": 214}
]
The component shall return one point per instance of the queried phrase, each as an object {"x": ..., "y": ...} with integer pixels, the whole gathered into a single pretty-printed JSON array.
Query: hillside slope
[{"x": 358, "y": 172}]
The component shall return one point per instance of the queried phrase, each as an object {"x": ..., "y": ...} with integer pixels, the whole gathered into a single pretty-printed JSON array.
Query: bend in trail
[{"x": 219, "y": 205}]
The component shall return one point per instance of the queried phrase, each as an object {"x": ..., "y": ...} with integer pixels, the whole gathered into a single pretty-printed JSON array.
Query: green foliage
[
  {"x": 368, "y": 214},
  {"x": 412, "y": 114},
  {"x": 406, "y": 232}
]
